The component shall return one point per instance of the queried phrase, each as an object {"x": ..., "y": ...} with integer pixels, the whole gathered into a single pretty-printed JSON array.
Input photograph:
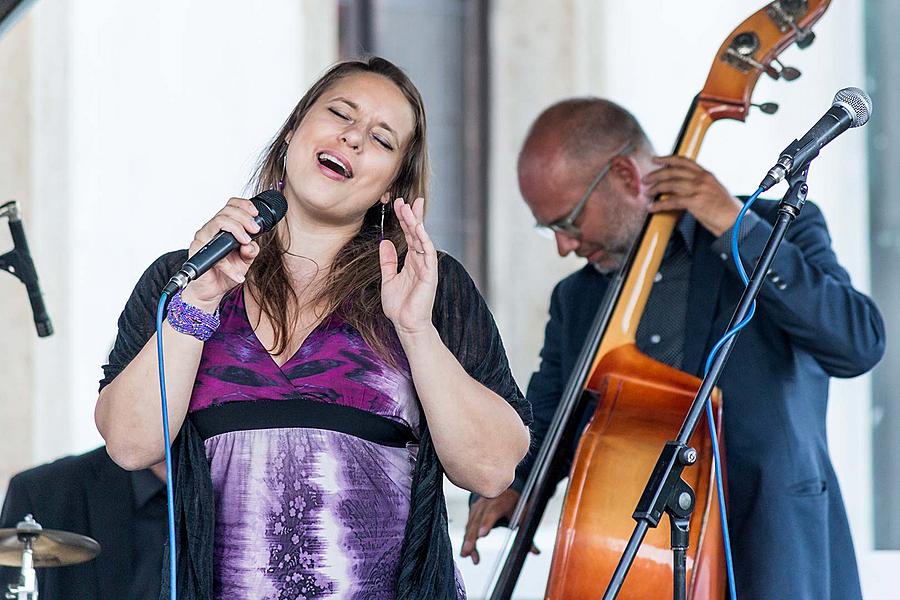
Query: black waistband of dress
[{"x": 300, "y": 412}]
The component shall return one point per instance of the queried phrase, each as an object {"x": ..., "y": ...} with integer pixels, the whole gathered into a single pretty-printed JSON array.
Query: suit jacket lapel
[
  {"x": 110, "y": 510},
  {"x": 707, "y": 271}
]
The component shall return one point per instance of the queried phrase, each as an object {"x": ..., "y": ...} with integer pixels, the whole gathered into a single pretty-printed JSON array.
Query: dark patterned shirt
[{"x": 660, "y": 334}]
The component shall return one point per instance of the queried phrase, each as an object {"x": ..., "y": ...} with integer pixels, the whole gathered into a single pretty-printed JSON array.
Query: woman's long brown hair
[{"x": 352, "y": 287}]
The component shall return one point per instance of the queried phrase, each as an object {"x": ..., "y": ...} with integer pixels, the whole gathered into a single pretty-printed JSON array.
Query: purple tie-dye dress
[{"x": 306, "y": 507}]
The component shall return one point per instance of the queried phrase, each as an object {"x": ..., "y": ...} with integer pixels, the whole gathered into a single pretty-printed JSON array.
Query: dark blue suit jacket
[{"x": 788, "y": 526}]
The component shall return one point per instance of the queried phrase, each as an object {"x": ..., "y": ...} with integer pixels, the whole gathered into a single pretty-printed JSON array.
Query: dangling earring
[
  {"x": 383, "y": 210},
  {"x": 280, "y": 183}
]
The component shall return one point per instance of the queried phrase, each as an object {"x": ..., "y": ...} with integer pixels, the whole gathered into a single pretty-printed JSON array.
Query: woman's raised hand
[
  {"x": 407, "y": 295},
  {"x": 237, "y": 219}
]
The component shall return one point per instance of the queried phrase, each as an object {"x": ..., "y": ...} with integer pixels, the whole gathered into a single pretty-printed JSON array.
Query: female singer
[{"x": 322, "y": 378}]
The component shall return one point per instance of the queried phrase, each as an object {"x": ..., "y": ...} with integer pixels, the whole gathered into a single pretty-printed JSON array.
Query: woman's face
[{"x": 348, "y": 148}]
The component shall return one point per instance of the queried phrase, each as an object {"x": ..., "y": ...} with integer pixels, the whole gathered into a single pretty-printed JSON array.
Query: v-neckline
[{"x": 262, "y": 346}]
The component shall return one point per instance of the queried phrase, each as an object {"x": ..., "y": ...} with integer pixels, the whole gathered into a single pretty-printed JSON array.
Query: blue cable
[
  {"x": 170, "y": 497},
  {"x": 717, "y": 458}
]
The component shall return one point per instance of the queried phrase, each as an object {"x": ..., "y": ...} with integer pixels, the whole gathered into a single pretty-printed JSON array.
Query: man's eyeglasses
[{"x": 566, "y": 225}]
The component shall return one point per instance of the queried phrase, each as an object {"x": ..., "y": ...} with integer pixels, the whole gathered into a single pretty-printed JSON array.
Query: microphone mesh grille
[
  {"x": 858, "y": 102},
  {"x": 272, "y": 207}
]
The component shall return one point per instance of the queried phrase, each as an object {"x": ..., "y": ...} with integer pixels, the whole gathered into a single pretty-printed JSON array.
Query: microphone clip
[
  {"x": 10, "y": 262},
  {"x": 787, "y": 165},
  {"x": 798, "y": 189},
  {"x": 10, "y": 210}
]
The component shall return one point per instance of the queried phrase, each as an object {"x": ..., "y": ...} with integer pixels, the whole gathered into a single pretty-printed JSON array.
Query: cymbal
[{"x": 51, "y": 547}]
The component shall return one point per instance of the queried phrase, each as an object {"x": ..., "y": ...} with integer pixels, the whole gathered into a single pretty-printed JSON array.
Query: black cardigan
[{"x": 466, "y": 327}]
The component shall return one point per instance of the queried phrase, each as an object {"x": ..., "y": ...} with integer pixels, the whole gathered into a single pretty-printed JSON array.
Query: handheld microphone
[
  {"x": 18, "y": 262},
  {"x": 850, "y": 108},
  {"x": 272, "y": 207}
]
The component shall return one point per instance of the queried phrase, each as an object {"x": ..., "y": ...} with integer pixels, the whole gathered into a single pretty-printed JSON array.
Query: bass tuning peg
[
  {"x": 770, "y": 108},
  {"x": 789, "y": 73}
]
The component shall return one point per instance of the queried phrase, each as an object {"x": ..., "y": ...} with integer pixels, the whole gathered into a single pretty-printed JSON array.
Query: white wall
[{"x": 147, "y": 118}]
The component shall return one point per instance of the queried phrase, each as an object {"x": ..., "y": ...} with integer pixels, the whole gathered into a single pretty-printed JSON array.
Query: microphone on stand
[
  {"x": 272, "y": 207},
  {"x": 850, "y": 108},
  {"x": 18, "y": 262}
]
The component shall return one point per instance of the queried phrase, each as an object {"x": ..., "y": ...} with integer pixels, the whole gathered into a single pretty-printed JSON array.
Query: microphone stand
[{"x": 666, "y": 492}]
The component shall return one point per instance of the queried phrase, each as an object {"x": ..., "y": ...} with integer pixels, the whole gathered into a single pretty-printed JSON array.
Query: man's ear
[{"x": 626, "y": 169}]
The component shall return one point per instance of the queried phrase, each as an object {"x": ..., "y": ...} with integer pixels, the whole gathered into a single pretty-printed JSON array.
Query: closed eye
[
  {"x": 339, "y": 114},
  {"x": 383, "y": 142}
]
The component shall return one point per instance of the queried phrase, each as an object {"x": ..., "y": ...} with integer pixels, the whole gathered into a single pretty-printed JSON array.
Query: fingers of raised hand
[
  {"x": 406, "y": 218},
  {"x": 410, "y": 217},
  {"x": 427, "y": 251},
  {"x": 418, "y": 209}
]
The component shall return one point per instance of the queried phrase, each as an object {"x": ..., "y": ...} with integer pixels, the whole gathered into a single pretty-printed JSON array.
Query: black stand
[
  {"x": 18, "y": 262},
  {"x": 666, "y": 491}
]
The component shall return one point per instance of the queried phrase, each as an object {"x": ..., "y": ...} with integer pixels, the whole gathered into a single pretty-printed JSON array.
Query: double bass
[{"x": 641, "y": 402}]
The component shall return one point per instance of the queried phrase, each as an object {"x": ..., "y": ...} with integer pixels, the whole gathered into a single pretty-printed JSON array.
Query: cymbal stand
[{"x": 27, "y": 587}]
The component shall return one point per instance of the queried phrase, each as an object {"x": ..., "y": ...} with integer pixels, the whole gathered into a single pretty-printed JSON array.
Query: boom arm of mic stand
[{"x": 665, "y": 483}]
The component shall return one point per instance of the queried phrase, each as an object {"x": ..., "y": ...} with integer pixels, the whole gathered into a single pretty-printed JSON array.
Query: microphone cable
[
  {"x": 170, "y": 484},
  {"x": 714, "y": 438}
]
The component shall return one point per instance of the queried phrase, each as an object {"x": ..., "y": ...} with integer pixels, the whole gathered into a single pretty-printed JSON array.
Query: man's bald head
[
  {"x": 579, "y": 130},
  {"x": 569, "y": 146}
]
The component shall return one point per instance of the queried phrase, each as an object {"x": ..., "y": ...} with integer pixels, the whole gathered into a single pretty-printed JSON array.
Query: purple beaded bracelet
[{"x": 185, "y": 318}]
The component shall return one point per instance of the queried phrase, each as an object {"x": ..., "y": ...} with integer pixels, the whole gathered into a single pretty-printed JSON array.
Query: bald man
[{"x": 590, "y": 176}]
